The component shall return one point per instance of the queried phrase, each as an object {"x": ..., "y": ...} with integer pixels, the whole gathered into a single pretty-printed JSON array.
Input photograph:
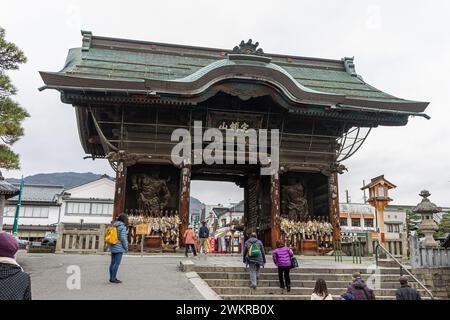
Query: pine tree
[
  {"x": 11, "y": 113},
  {"x": 412, "y": 221},
  {"x": 444, "y": 224}
]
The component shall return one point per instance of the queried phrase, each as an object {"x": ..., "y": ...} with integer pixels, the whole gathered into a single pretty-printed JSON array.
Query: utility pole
[
  {"x": 364, "y": 191},
  {"x": 347, "y": 197}
]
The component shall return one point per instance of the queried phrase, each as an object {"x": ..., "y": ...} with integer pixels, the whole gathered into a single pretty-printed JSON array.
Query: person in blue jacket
[{"x": 117, "y": 250}]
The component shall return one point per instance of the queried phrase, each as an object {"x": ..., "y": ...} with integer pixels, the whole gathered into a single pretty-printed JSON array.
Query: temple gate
[{"x": 129, "y": 97}]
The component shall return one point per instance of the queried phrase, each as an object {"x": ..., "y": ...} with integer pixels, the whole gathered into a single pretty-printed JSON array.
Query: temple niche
[
  {"x": 152, "y": 194},
  {"x": 305, "y": 211},
  {"x": 152, "y": 197}
]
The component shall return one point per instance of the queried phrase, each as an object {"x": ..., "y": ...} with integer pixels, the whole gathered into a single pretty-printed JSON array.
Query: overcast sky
[{"x": 401, "y": 47}]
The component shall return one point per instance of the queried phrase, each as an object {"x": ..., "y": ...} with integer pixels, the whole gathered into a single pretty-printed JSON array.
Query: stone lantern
[{"x": 426, "y": 209}]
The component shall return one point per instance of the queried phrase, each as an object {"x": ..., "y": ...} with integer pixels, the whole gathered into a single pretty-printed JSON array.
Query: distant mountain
[
  {"x": 66, "y": 179},
  {"x": 193, "y": 200}
]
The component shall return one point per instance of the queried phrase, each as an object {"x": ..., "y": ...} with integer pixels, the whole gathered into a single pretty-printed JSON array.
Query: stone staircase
[{"x": 232, "y": 283}]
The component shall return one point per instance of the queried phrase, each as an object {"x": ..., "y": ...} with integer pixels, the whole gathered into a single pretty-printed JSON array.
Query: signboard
[
  {"x": 211, "y": 244},
  {"x": 143, "y": 229}
]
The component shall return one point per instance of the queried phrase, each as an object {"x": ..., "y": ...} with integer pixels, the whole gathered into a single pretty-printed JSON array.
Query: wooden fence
[{"x": 82, "y": 241}]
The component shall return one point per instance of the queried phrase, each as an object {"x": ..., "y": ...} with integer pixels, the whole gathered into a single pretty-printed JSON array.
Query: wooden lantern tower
[{"x": 379, "y": 198}]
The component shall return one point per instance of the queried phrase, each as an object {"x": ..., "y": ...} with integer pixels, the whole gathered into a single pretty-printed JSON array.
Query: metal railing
[
  {"x": 402, "y": 267},
  {"x": 337, "y": 251},
  {"x": 356, "y": 251}
]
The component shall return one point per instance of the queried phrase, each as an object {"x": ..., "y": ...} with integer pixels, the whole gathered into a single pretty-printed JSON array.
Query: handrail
[
  {"x": 402, "y": 267},
  {"x": 337, "y": 251}
]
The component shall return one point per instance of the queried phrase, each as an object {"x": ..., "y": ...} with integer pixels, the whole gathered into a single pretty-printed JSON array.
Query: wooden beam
[
  {"x": 185, "y": 193},
  {"x": 334, "y": 206},
  {"x": 119, "y": 195},
  {"x": 275, "y": 219}
]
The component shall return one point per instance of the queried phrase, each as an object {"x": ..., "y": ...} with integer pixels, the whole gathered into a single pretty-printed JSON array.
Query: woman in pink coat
[{"x": 282, "y": 258}]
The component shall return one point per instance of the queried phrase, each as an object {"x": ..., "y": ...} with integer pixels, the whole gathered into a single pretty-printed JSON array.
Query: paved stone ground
[
  {"x": 150, "y": 277},
  {"x": 153, "y": 276}
]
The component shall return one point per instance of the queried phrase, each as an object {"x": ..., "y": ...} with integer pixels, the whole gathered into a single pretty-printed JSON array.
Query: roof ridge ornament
[
  {"x": 86, "y": 42},
  {"x": 349, "y": 65},
  {"x": 248, "y": 48}
]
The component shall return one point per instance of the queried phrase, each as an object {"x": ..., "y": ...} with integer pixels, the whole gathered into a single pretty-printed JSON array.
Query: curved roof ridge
[{"x": 202, "y": 48}]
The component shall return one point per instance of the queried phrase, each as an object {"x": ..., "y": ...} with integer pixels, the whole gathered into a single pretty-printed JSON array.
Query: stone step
[
  {"x": 294, "y": 291},
  {"x": 298, "y": 284},
  {"x": 291, "y": 297},
  {"x": 283, "y": 297},
  {"x": 300, "y": 270},
  {"x": 295, "y": 276}
]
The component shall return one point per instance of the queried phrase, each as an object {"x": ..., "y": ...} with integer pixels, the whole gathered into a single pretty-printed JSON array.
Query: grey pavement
[{"x": 152, "y": 277}]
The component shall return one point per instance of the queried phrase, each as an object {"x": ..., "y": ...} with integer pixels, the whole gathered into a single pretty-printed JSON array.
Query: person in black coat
[
  {"x": 14, "y": 283},
  {"x": 405, "y": 292}
]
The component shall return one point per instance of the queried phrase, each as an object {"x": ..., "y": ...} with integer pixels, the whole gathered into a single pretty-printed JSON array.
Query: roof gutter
[
  {"x": 83, "y": 89},
  {"x": 356, "y": 108}
]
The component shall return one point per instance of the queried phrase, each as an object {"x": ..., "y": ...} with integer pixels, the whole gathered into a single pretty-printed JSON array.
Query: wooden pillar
[
  {"x": 379, "y": 206},
  {"x": 59, "y": 241},
  {"x": 184, "y": 199},
  {"x": 119, "y": 195},
  {"x": 275, "y": 195},
  {"x": 334, "y": 205},
  {"x": 101, "y": 239}
]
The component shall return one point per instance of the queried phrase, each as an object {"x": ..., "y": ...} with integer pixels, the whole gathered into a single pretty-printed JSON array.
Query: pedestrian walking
[
  {"x": 14, "y": 283},
  {"x": 282, "y": 259},
  {"x": 254, "y": 257},
  {"x": 189, "y": 240},
  {"x": 405, "y": 292},
  {"x": 117, "y": 250},
  {"x": 321, "y": 291},
  {"x": 358, "y": 290},
  {"x": 203, "y": 235}
]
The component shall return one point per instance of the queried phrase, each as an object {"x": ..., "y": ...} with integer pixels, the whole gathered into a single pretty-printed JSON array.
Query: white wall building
[
  {"x": 92, "y": 202},
  {"x": 360, "y": 219},
  {"x": 39, "y": 211},
  {"x": 234, "y": 213},
  {"x": 43, "y": 207}
]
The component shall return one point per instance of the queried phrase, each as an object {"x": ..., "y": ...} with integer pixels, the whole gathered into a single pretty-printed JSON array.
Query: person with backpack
[
  {"x": 405, "y": 292},
  {"x": 282, "y": 259},
  {"x": 118, "y": 245},
  {"x": 14, "y": 283},
  {"x": 321, "y": 291},
  {"x": 358, "y": 290},
  {"x": 189, "y": 241},
  {"x": 254, "y": 256},
  {"x": 203, "y": 235}
]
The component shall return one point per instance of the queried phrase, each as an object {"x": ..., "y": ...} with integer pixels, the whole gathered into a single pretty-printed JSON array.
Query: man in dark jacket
[
  {"x": 405, "y": 292},
  {"x": 14, "y": 283},
  {"x": 358, "y": 289},
  {"x": 254, "y": 259},
  {"x": 203, "y": 234}
]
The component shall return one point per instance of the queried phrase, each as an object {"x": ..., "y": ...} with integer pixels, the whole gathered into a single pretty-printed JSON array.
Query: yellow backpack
[{"x": 111, "y": 237}]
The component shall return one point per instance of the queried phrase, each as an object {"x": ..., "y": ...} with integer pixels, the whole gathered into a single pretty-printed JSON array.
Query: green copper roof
[{"x": 137, "y": 61}]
